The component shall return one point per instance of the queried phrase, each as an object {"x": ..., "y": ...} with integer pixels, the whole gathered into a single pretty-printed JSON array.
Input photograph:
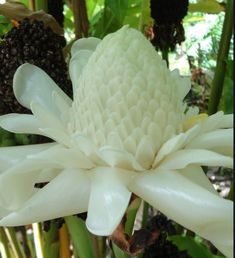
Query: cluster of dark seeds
[
  {"x": 30, "y": 42},
  {"x": 168, "y": 29},
  {"x": 162, "y": 223},
  {"x": 163, "y": 248}
]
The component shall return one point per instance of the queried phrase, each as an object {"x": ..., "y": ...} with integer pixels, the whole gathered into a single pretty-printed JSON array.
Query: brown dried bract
[
  {"x": 17, "y": 11},
  {"x": 137, "y": 242}
]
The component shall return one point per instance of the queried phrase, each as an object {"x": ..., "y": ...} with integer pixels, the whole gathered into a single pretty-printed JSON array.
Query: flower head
[{"x": 127, "y": 130}]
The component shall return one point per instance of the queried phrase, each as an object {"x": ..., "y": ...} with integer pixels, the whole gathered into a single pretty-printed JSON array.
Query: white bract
[{"x": 127, "y": 130}]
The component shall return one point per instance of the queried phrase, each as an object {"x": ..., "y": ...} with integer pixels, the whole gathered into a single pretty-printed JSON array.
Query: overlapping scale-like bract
[{"x": 129, "y": 99}]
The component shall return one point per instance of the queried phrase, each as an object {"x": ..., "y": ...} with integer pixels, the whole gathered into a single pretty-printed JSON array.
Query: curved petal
[
  {"x": 9, "y": 156},
  {"x": 63, "y": 157},
  {"x": 52, "y": 126},
  {"x": 30, "y": 83},
  {"x": 17, "y": 183},
  {"x": 227, "y": 121},
  {"x": 108, "y": 201},
  {"x": 183, "y": 158},
  {"x": 119, "y": 158},
  {"x": 3, "y": 212},
  {"x": 81, "y": 51},
  {"x": 20, "y": 123},
  {"x": 85, "y": 43},
  {"x": 214, "y": 140},
  {"x": 175, "y": 143},
  {"x": 67, "y": 194},
  {"x": 187, "y": 203},
  {"x": 198, "y": 176},
  {"x": 217, "y": 121},
  {"x": 46, "y": 117}
]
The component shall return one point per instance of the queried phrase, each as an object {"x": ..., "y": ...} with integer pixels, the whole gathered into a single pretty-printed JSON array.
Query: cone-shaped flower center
[{"x": 134, "y": 101}]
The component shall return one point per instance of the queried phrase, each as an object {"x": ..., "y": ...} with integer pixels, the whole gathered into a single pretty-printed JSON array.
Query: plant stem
[
  {"x": 4, "y": 248},
  {"x": 80, "y": 237},
  {"x": 218, "y": 81},
  {"x": 37, "y": 240},
  {"x": 32, "y": 5},
  {"x": 81, "y": 22},
  {"x": 102, "y": 246},
  {"x": 41, "y": 5},
  {"x": 64, "y": 242},
  {"x": 11, "y": 235},
  {"x": 51, "y": 243},
  {"x": 145, "y": 215}
]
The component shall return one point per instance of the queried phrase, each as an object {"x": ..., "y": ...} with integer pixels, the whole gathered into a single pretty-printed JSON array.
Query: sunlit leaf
[{"x": 206, "y": 6}]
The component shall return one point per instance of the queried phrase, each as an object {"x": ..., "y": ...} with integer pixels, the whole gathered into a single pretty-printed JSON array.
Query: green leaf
[
  {"x": 118, "y": 253},
  {"x": 131, "y": 215},
  {"x": 80, "y": 237},
  {"x": 194, "y": 248},
  {"x": 104, "y": 22},
  {"x": 51, "y": 242},
  {"x": 206, "y": 6}
]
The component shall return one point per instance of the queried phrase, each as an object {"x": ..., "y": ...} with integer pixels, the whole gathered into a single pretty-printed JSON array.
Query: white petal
[
  {"x": 81, "y": 51},
  {"x": 85, "y": 43},
  {"x": 52, "y": 126},
  {"x": 214, "y": 140},
  {"x": 30, "y": 83},
  {"x": 9, "y": 156},
  {"x": 175, "y": 143},
  {"x": 108, "y": 200},
  {"x": 57, "y": 135},
  {"x": 227, "y": 121},
  {"x": 20, "y": 123},
  {"x": 63, "y": 157},
  {"x": 47, "y": 118},
  {"x": 119, "y": 158},
  {"x": 67, "y": 194},
  {"x": 3, "y": 212},
  {"x": 213, "y": 122},
  {"x": 144, "y": 153},
  {"x": 198, "y": 176},
  {"x": 187, "y": 203},
  {"x": 17, "y": 183},
  {"x": 88, "y": 148},
  {"x": 76, "y": 66},
  {"x": 183, "y": 158},
  {"x": 225, "y": 249}
]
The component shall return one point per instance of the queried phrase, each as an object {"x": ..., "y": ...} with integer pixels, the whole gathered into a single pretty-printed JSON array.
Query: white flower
[{"x": 127, "y": 130}]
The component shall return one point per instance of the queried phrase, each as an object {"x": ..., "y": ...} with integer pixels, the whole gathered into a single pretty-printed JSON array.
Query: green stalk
[
  {"x": 118, "y": 253},
  {"x": 145, "y": 215},
  {"x": 80, "y": 236},
  {"x": 131, "y": 215},
  {"x": 11, "y": 235},
  {"x": 51, "y": 244},
  {"x": 4, "y": 248},
  {"x": 41, "y": 5},
  {"x": 102, "y": 246},
  {"x": 140, "y": 26},
  {"x": 218, "y": 81}
]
